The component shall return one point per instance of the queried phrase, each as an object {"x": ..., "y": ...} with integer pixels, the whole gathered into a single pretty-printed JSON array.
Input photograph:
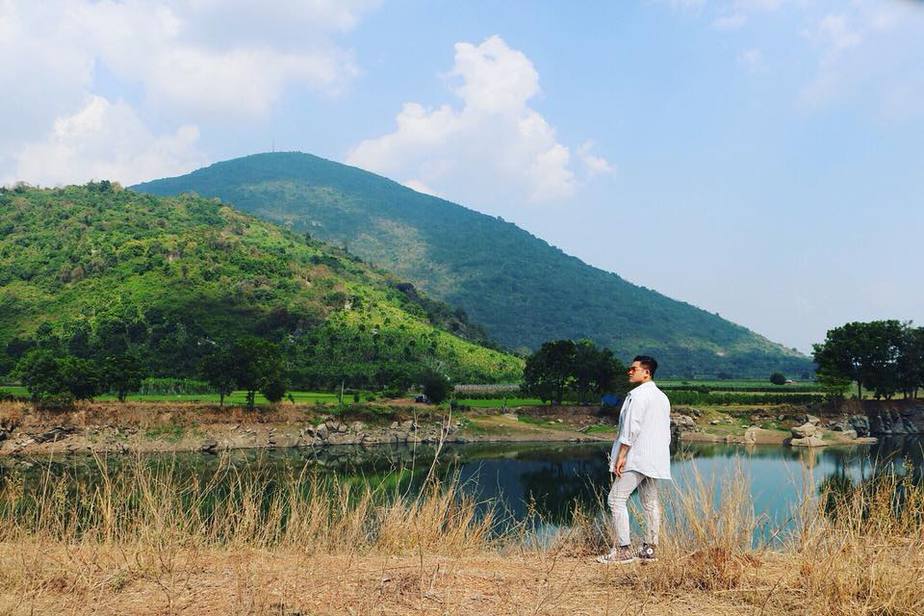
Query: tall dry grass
[
  {"x": 156, "y": 505},
  {"x": 852, "y": 549}
]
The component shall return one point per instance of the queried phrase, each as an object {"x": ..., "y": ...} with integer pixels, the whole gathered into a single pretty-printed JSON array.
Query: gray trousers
[{"x": 622, "y": 488}]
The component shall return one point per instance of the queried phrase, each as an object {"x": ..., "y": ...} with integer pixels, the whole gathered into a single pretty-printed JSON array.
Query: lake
[{"x": 542, "y": 480}]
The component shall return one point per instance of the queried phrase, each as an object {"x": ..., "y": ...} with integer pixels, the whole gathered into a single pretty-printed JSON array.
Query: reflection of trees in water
[{"x": 555, "y": 488}]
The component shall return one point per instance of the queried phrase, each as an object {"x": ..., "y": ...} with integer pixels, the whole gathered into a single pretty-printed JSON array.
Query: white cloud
[
  {"x": 105, "y": 140},
  {"x": 184, "y": 63},
  {"x": 868, "y": 52},
  {"x": 594, "y": 164},
  {"x": 493, "y": 149}
]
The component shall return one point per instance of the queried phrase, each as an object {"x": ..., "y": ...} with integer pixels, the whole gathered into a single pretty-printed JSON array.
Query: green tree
[
  {"x": 83, "y": 378},
  {"x": 436, "y": 386},
  {"x": 778, "y": 378},
  {"x": 47, "y": 375},
  {"x": 259, "y": 367},
  {"x": 866, "y": 353},
  {"x": 39, "y": 373},
  {"x": 596, "y": 371},
  {"x": 219, "y": 369},
  {"x": 911, "y": 362},
  {"x": 549, "y": 371},
  {"x": 123, "y": 373}
]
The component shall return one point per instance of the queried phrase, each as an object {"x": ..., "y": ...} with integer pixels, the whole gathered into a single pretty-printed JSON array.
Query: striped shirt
[{"x": 645, "y": 426}]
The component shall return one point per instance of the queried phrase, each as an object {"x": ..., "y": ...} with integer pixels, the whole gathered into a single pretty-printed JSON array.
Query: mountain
[
  {"x": 521, "y": 289},
  {"x": 173, "y": 274}
]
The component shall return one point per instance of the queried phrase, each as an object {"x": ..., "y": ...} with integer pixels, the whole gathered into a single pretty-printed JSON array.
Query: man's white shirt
[{"x": 645, "y": 426}]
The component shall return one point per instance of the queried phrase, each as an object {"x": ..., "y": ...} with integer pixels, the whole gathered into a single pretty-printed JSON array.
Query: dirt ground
[{"x": 98, "y": 580}]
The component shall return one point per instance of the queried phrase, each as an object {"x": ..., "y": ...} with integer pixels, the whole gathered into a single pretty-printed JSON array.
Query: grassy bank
[{"x": 148, "y": 541}]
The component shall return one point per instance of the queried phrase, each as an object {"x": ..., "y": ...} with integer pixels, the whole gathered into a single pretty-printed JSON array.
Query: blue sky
[{"x": 758, "y": 158}]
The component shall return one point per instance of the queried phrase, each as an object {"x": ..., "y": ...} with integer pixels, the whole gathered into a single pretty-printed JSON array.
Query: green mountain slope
[
  {"x": 174, "y": 273},
  {"x": 523, "y": 290}
]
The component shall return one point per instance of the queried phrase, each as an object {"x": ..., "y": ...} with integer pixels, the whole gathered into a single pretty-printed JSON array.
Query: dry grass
[{"x": 149, "y": 541}]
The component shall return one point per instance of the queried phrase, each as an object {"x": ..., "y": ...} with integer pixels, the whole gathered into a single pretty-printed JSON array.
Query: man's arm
[
  {"x": 621, "y": 459},
  {"x": 629, "y": 428}
]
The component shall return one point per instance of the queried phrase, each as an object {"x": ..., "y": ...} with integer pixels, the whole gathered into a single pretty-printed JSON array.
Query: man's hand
[{"x": 620, "y": 464}]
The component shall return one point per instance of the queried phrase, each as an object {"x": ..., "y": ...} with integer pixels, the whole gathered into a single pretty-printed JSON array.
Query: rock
[
  {"x": 409, "y": 426},
  {"x": 357, "y": 426},
  {"x": 209, "y": 446},
  {"x": 849, "y": 434},
  {"x": 55, "y": 434},
  {"x": 809, "y": 441},
  {"x": 860, "y": 423},
  {"x": 683, "y": 422},
  {"x": 804, "y": 418},
  {"x": 321, "y": 431},
  {"x": 750, "y": 435},
  {"x": 394, "y": 425},
  {"x": 714, "y": 422},
  {"x": 806, "y": 430},
  {"x": 335, "y": 425}
]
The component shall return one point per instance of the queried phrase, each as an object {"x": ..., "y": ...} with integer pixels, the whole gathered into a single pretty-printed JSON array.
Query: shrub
[{"x": 436, "y": 387}]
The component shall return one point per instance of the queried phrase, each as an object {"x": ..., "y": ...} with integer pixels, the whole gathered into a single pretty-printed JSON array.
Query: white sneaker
[{"x": 618, "y": 556}]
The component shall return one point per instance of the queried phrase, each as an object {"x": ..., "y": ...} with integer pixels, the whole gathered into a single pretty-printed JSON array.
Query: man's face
[{"x": 638, "y": 374}]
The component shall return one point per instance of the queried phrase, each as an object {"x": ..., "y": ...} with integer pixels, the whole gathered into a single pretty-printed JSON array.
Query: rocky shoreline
[{"x": 114, "y": 428}]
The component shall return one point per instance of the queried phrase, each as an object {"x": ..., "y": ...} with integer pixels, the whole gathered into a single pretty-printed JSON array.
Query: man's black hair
[{"x": 648, "y": 363}]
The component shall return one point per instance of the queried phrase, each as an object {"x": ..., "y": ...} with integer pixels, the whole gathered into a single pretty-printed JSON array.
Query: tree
[
  {"x": 436, "y": 386},
  {"x": 866, "y": 353},
  {"x": 81, "y": 377},
  {"x": 123, "y": 373},
  {"x": 48, "y": 376},
  {"x": 259, "y": 366},
  {"x": 596, "y": 371},
  {"x": 219, "y": 369},
  {"x": 39, "y": 373},
  {"x": 778, "y": 378},
  {"x": 549, "y": 371},
  {"x": 911, "y": 362}
]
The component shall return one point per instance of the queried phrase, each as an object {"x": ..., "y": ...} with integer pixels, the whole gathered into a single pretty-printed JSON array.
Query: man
[{"x": 640, "y": 457}]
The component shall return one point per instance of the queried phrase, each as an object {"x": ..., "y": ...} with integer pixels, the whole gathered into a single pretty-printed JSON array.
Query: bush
[
  {"x": 778, "y": 378},
  {"x": 55, "y": 402},
  {"x": 274, "y": 389},
  {"x": 436, "y": 387}
]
